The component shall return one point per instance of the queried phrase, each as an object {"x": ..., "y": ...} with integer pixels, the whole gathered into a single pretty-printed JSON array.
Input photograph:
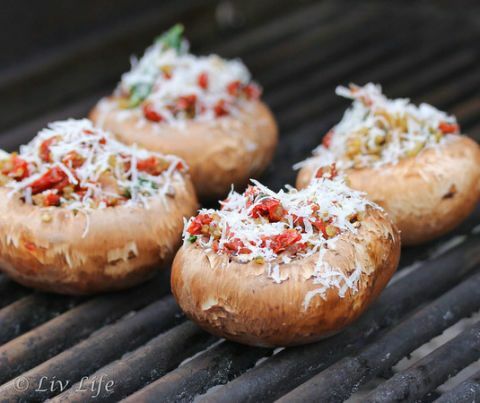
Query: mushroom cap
[
  {"x": 229, "y": 150},
  {"x": 239, "y": 301},
  {"x": 427, "y": 195},
  {"x": 50, "y": 249}
]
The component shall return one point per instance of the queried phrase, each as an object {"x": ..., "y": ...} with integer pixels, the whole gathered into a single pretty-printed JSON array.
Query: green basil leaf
[{"x": 173, "y": 37}]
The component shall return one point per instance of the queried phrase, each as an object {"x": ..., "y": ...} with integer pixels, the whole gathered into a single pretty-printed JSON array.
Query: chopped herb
[
  {"x": 172, "y": 38},
  {"x": 144, "y": 181},
  {"x": 127, "y": 193},
  {"x": 138, "y": 93},
  {"x": 192, "y": 238}
]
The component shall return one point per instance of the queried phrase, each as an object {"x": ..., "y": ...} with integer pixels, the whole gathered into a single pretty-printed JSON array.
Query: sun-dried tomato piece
[
  {"x": 45, "y": 149},
  {"x": 151, "y": 114},
  {"x": 234, "y": 88},
  {"x": 16, "y": 168},
  {"x": 270, "y": 208},
  {"x": 328, "y": 171},
  {"x": 252, "y": 91},
  {"x": 51, "y": 199},
  {"x": 203, "y": 80},
  {"x": 327, "y": 139},
  {"x": 280, "y": 243},
  {"x": 449, "y": 128},
  {"x": 54, "y": 178},
  {"x": 195, "y": 227},
  {"x": 152, "y": 165},
  {"x": 220, "y": 108}
]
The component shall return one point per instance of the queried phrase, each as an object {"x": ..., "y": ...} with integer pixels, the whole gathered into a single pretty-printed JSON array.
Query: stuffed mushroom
[
  {"x": 286, "y": 268},
  {"x": 82, "y": 213},
  {"x": 411, "y": 160},
  {"x": 205, "y": 109}
]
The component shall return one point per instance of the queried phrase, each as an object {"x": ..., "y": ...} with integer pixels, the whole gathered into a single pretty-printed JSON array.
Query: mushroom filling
[
  {"x": 263, "y": 226},
  {"x": 74, "y": 165},
  {"x": 376, "y": 130},
  {"x": 169, "y": 84}
]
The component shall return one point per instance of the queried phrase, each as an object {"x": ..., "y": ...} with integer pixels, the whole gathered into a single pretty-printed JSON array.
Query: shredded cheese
[
  {"x": 81, "y": 167},
  {"x": 171, "y": 85},
  {"x": 273, "y": 228},
  {"x": 376, "y": 131}
]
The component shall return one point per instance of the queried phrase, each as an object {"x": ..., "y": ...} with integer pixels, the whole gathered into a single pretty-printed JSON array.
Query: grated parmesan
[
  {"x": 376, "y": 131},
  {"x": 236, "y": 223},
  {"x": 100, "y": 155},
  {"x": 169, "y": 74}
]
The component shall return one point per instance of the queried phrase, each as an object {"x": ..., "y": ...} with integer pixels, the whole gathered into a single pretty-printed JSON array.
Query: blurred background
[{"x": 59, "y": 57}]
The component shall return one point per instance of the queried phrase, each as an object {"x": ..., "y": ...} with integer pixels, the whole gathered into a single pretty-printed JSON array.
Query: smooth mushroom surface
[
  {"x": 82, "y": 213},
  {"x": 287, "y": 268},
  {"x": 205, "y": 109},
  {"x": 410, "y": 160}
]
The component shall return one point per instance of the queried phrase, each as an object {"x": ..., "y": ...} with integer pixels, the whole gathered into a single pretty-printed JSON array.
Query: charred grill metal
[{"x": 299, "y": 52}]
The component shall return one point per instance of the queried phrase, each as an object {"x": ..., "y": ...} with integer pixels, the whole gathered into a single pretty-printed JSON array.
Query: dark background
[{"x": 59, "y": 57}]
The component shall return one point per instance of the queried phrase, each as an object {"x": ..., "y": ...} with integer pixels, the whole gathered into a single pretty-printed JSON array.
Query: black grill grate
[{"x": 299, "y": 51}]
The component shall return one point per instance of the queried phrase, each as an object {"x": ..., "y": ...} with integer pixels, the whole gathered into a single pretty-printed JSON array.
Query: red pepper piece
[
  {"x": 449, "y": 128},
  {"x": 329, "y": 171},
  {"x": 203, "y": 80},
  {"x": 45, "y": 149},
  {"x": 51, "y": 199},
  {"x": 186, "y": 102},
  {"x": 252, "y": 91},
  {"x": 280, "y": 243},
  {"x": 297, "y": 220},
  {"x": 270, "y": 208},
  {"x": 327, "y": 139},
  {"x": 220, "y": 108},
  {"x": 321, "y": 227},
  {"x": 18, "y": 168},
  {"x": 30, "y": 246},
  {"x": 73, "y": 160},
  {"x": 151, "y": 114},
  {"x": 234, "y": 88},
  {"x": 195, "y": 227},
  {"x": 54, "y": 178},
  {"x": 151, "y": 165},
  {"x": 236, "y": 246}
]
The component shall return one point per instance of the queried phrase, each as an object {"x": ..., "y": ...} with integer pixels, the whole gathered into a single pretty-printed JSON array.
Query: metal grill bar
[
  {"x": 314, "y": 128},
  {"x": 299, "y": 52},
  {"x": 466, "y": 392},
  {"x": 291, "y": 367},
  {"x": 389, "y": 67},
  {"x": 29, "y": 312},
  {"x": 336, "y": 383},
  {"x": 313, "y": 106},
  {"x": 156, "y": 358},
  {"x": 65, "y": 330},
  {"x": 216, "y": 366},
  {"x": 106, "y": 345},
  {"x": 432, "y": 370},
  {"x": 270, "y": 57},
  {"x": 277, "y": 30}
]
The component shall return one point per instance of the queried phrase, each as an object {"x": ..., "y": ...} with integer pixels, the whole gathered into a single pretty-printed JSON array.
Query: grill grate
[{"x": 299, "y": 51}]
